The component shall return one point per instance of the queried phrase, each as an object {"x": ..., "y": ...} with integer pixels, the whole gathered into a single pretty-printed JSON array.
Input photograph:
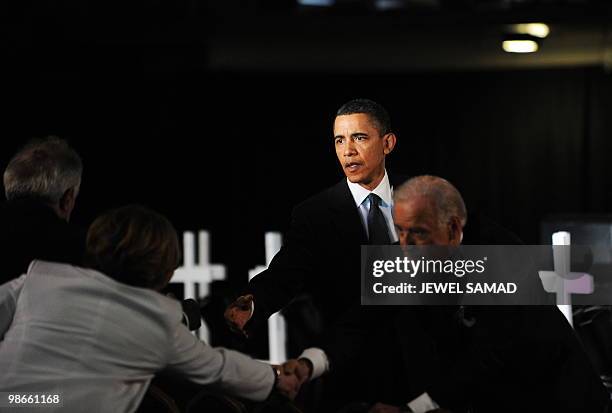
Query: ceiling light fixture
[
  {"x": 520, "y": 46},
  {"x": 539, "y": 30}
]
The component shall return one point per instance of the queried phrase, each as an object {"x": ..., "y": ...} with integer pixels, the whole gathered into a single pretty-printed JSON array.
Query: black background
[{"x": 231, "y": 151}]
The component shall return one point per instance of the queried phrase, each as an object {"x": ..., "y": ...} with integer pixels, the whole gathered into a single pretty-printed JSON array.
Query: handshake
[{"x": 291, "y": 375}]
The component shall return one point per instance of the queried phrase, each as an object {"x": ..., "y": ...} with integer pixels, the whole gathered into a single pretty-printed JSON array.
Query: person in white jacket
[{"x": 91, "y": 339}]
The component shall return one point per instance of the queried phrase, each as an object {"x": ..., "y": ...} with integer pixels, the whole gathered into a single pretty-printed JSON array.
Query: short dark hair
[
  {"x": 133, "y": 245},
  {"x": 44, "y": 168},
  {"x": 375, "y": 111}
]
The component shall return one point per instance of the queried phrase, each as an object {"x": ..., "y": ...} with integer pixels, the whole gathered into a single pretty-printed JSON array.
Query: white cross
[
  {"x": 562, "y": 281},
  {"x": 277, "y": 328},
  {"x": 198, "y": 276}
]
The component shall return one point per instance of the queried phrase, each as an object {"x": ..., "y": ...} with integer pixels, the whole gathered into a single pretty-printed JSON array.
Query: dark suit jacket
[
  {"x": 320, "y": 256},
  {"x": 29, "y": 230},
  {"x": 511, "y": 359}
]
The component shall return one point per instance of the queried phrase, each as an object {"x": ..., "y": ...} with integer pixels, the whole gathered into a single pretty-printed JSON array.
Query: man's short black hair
[{"x": 374, "y": 110}]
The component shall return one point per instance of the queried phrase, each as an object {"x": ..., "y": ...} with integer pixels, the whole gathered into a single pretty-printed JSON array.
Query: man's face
[
  {"x": 417, "y": 223},
  {"x": 361, "y": 149}
]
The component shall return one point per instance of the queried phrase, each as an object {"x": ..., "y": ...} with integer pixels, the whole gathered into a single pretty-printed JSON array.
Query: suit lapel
[{"x": 345, "y": 212}]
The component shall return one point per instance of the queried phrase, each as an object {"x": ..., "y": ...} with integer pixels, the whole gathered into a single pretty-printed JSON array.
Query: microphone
[{"x": 192, "y": 317}]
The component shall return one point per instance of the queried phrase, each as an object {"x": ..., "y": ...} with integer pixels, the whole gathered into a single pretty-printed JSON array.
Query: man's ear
[
  {"x": 389, "y": 141},
  {"x": 67, "y": 202},
  {"x": 455, "y": 231}
]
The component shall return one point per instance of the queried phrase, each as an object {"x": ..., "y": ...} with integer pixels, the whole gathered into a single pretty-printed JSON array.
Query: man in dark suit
[
  {"x": 41, "y": 184},
  {"x": 321, "y": 251},
  {"x": 481, "y": 358}
]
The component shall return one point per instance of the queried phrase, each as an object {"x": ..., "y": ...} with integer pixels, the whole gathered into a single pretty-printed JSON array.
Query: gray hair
[
  {"x": 44, "y": 169},
  {"x": 445, "y": 197}
]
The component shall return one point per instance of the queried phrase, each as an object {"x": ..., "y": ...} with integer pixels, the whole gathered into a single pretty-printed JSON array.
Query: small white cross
[
  {"x": 197, "y": 277},
  {"x": 277, "y": 327},
  {"x": 562, "y": 281}
]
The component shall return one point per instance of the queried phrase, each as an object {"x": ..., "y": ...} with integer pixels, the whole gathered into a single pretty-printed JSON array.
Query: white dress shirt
[
  {"x": 98, "y": 342},
  {"x": 385, "y": 192}
]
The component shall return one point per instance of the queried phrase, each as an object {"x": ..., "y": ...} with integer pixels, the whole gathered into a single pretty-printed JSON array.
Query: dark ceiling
[
  {"x": 352, "y": 36},
  {"x": 407, "y": 35}
]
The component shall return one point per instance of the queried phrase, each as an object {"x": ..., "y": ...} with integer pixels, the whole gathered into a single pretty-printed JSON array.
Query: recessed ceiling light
[
  {"x": 540, "y": 30},
  {"x": 520, "y": 46}
]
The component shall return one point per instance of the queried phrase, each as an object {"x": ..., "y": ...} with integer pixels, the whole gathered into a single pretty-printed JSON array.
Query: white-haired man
[{"x": 41, "y": 183}]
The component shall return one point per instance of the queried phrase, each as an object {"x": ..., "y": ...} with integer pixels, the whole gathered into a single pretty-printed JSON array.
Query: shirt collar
[{"x": 383, "y": 190}]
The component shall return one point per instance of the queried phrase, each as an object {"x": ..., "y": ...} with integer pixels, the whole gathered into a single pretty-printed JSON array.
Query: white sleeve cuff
[
  {"x": 318, "y": 358},
  {"x": 423, "y": 404}
]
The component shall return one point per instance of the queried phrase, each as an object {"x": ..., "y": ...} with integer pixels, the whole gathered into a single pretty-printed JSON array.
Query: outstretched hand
[{"x": 238, "y": 313}]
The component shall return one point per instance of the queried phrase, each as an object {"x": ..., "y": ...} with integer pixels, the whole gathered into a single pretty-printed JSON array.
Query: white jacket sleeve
[
  {"x": 9, "y": 294},
  {"x": 227, "y": 370}
]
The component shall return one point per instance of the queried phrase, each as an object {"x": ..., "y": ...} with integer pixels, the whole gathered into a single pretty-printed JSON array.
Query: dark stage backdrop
[{"x": 233, "y": 152}]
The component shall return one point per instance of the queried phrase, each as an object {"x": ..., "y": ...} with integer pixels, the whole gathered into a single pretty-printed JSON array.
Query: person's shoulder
[
  {"x": 322, "y": 200},
  {"x": 39, "y": 266},
  {"x": 31, "y": 216},
  {"x": 74, "y": 277}
]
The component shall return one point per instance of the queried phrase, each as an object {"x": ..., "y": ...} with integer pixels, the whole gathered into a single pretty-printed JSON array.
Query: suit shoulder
[{"x": 316, "y": 203}]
